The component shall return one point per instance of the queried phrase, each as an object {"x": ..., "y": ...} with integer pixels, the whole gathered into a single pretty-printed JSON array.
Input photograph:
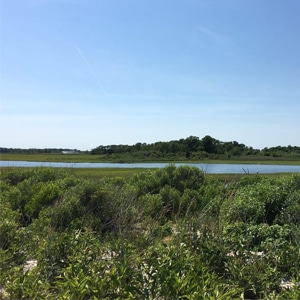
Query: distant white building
[{"x": 70, "y": 152}]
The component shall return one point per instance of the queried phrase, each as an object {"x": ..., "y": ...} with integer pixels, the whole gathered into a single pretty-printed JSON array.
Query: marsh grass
[
  {"x": 125, "y": 173},
  {"x": 49, "y": 157},
  {"x": 85, "y": 157}
]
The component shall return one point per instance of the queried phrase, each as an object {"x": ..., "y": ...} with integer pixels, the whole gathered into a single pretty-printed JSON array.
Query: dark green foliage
[
  {"x": 170, "y": 191},
  {"x": 171, "y": 233},
  {"x": 264, "y": 201},
  {"x": 191, "y": 148},
  {"x": 290, "y": 212},
  {"x": 8, "y": 226}
]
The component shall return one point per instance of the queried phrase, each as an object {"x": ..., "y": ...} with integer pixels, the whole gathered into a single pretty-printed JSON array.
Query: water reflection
[{"x": 207, "y": 168}]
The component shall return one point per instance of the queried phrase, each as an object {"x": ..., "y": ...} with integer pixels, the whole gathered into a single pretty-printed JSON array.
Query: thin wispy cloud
[
  {"x": 204, "y": 68},
  {"x": 91, "y": 70},
  {"x": 215, "y": 37}
]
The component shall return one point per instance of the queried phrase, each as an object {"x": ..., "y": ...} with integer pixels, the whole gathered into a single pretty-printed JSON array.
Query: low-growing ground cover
[
  {"x": 125, "y": 173},
  {"x": 90, "y": 173},
  {"x": 50, "y": 157},
  {"x": 86, "y": 157},
  {"x": 170, "y": 233}
]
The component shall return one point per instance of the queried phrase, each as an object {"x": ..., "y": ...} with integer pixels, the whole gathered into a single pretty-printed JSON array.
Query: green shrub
[
  {"x": 263, "y": 201},
  {"x": 171, "y": 233}
]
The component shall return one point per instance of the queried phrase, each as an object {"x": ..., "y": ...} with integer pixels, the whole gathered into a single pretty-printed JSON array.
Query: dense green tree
[{"x": 208, "y": 144}]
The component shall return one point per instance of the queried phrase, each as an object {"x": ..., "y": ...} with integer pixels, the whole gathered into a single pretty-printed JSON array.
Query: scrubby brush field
[{"x": 170, "y": 233}]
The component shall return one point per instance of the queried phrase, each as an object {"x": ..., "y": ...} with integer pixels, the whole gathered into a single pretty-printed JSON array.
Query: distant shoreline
[{"x": 74, "y": 158}]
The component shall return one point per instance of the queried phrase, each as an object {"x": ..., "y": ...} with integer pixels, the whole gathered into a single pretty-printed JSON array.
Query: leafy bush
[
  {"x": 263, "y": 201},
  {"x": 171, "y": 233}
]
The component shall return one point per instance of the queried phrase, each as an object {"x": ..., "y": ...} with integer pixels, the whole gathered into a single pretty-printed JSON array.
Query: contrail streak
[{"x": 91, "y": 70}]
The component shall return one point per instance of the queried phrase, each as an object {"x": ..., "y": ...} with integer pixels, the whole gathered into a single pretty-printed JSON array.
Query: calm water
[{"x": 207, "y": 168}]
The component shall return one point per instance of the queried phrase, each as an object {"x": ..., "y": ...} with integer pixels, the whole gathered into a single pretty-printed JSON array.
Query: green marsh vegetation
[
  {"x": 170, "y": 233},
  {"x": 90, "y": 173},
  {"x": 82, "y": 158}
]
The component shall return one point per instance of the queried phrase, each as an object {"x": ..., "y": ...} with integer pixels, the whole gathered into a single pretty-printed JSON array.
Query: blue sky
[{"x": 78, "y": 73}]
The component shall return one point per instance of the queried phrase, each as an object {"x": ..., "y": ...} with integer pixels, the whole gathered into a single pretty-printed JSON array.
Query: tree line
[
  {"x": 188, "y": 148},
  {"x": 193, "y": 147},
  {"x": 37, "y": 150}
]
